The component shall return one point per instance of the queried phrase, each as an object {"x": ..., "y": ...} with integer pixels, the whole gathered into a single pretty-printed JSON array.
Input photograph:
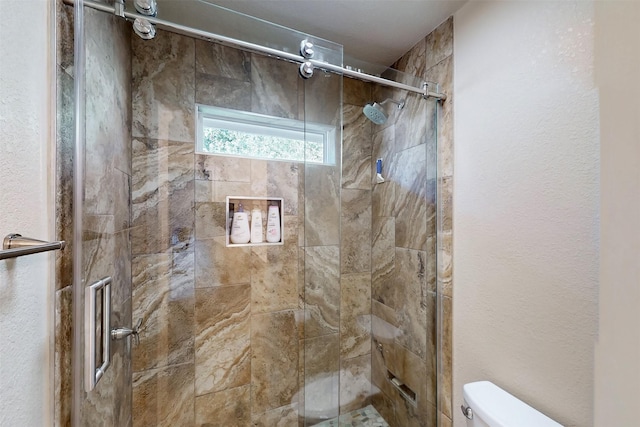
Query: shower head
[{"x": 376, "y": 112}]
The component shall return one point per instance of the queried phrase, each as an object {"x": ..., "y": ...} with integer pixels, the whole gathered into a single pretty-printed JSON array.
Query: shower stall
[{"x": 161, "y": 318}]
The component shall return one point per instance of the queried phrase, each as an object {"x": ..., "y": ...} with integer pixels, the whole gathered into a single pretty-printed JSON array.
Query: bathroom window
[{"x": 240, "y": 133}]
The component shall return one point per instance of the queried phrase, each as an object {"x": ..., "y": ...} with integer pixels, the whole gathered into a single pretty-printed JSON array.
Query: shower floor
[{"x": 365, "y": 417}]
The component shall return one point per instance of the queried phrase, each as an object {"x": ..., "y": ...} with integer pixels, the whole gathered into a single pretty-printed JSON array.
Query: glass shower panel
[
  {"x": 206, "y": 16},
  {"x": 322, "y": 257},
  {"x": 102, "y": 255}
]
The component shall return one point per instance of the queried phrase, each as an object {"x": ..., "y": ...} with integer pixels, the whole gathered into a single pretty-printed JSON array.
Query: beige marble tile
[
  {"x": 412, "y": 123},
  {"x": 282, "y": 181},
  {"x": 356, "y": 148},
  {"x": 445, "y": 377},
  {"x": 445, "y": 281},
  {"x": 380, "y": 382},
  {"x": 223, "y": 92},
  {"x": 322, "y": 205},
  {"x": 410, "y": 203},
  {"x": 439, "y": 43},
  {"x": 211, "y": 220},
  {"x": 222, "y": 61},
  {"x": 411, "y": 371},
  {"x": 413, "y": 62},
  {"x": 259, "y": 178},
  {"x": 445, "y": 210},
  {"x": 355, "y": 219},
  {"x": 442, "y": 73},
  {"x": 106, "y": 187},
  {"x": 322, "y": 377},
  {"x": 218, "y": 265},
  {"x": 322, "y": 100},
  {"x": 108, "y": 403},
  {"x": 384, "y": 405},
  {"x": 355, "y": 315},
  {"x": 223, "y": 189},
  {"x": 287, "y": 416},
  {"x": 222, "y": 338},
  {"x": 411, "y": 299},
  {"x": 230, "y": 407},
  {"x": 383, "y": 195},
  {"x": 205, "y": 191},
  {"x": 164, "y": 397},
  {"x": 322, "y": 290},
  {"x": 97, "y": 243},
  {"x": 164, "y": 87},
  {"x": 62, "y": 358},
  {"x": 163, "y": 297},
  {"x": 64, "y": 169},
  {"x": 444, "y": 421},
  {"x": 274, "y": 89},
  {"x": 383, "y": 259},
  {"x": 223, "y": 76},
  {"x": 222, "y": 168},
  {"x": 64, "y": 36},
  {"x": 274, "y": 273},
  {"x": 381, "y": 312},
  {"x": 108, "y": 101},
  {"x": 355, "y": 383},
  {"x": 274, "y": 360},
  {"x": 356, "y": 92},
  {"x": 162, "y": 196},
  {"x": 432, "y": 348},
  {"x": 121, "y": 266}
]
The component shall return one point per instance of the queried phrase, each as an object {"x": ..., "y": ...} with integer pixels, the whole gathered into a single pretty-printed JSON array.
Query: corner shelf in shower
[{"x": 248, "y": 203}]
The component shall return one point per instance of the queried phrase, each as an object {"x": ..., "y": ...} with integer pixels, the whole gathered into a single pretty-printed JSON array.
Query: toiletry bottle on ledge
[
  {"x": 240, "y": 226},
  {"x": 273, "y": 224},
  {"x": 256, "y": 225}
]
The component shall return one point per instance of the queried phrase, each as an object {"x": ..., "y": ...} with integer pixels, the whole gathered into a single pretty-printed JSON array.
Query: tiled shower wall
[
  {"x": 224, "y": 331},
  {"x": 106, "y": 249},
  {"x": 404, "y": 227},
  {"x": 231, "y": 336}
]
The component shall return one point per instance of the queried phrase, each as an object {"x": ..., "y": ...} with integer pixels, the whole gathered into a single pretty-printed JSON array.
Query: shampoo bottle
[
  {"x": 240, "y": 226},
  {"x": 273, "y": 224},
  {"x": 256, "y": 225}
]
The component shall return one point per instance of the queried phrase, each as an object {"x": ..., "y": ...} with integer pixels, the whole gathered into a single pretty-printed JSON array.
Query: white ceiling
[{"x": 376, "y": 31}]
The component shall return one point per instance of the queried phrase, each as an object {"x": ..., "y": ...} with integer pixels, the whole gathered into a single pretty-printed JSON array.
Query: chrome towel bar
[{"x": 14, "y": 245}]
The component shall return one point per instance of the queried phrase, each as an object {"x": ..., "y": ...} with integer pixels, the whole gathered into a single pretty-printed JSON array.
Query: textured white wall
[
  {"x": 26, "y": 298},
  {"x": 526, "y": 197},
  {"x": 617, "y": 385}
]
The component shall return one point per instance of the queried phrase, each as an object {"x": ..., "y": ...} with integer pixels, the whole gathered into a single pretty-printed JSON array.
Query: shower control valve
[{"x": 306, "y": 49}]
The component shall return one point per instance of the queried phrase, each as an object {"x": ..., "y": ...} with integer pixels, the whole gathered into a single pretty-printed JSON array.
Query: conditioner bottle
[
  {"x": 240, "y": 226},
  {"x": 273, "y": 224}
]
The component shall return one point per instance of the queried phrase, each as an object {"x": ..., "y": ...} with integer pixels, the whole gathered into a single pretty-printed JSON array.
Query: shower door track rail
[{"x": 424, "y": 90}]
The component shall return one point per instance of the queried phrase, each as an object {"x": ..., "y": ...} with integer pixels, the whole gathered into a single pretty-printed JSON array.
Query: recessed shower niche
[{"x": 261, "y": 209}]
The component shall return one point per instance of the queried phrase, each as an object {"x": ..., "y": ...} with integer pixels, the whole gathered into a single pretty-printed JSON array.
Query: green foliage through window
[{"x": 225, "y": 141}]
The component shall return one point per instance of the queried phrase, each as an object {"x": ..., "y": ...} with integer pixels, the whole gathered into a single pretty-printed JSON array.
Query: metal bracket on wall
[{"x": 15, "y": 245}]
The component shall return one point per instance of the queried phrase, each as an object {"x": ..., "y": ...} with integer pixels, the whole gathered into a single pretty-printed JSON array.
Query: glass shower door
[{"x": 102, "y": 255}]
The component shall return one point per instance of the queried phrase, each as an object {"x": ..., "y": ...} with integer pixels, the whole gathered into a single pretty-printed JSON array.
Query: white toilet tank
[{"x": 491, "y": 406}]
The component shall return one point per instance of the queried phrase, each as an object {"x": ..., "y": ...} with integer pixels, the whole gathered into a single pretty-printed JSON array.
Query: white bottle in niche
[
  {"x": 240, "y": 226},
  {"x": 256, "y": 225},
  {"x": 273, "y": 224}
]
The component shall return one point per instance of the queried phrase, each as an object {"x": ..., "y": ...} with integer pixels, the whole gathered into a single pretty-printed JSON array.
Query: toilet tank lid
[{"x": 498, "y": 408}]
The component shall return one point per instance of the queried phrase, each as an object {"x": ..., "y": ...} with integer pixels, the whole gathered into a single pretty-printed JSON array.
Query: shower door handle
[{"x": 97, "y": 331}]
